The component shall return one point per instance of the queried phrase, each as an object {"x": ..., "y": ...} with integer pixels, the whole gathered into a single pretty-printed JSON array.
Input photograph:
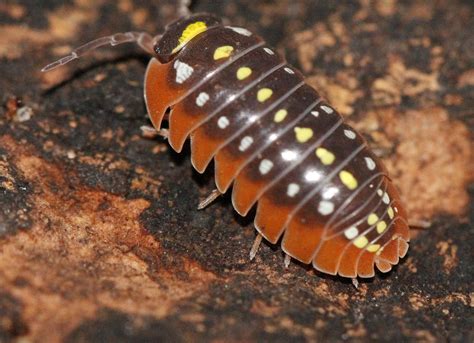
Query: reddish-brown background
[{"x": 100, "y": 238}]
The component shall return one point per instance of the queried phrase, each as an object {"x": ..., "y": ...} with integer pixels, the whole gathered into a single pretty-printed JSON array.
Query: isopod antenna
[{"x": 142, "y": 39}]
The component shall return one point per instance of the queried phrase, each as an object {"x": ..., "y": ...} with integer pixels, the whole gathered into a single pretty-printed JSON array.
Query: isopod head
[{"x": 182, "y": 31}]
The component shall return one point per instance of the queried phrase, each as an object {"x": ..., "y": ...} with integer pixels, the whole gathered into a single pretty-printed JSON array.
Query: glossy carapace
[{"x": 317, "y": 187}]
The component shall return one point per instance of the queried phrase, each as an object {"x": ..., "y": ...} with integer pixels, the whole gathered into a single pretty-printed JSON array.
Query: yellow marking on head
[
  {"x": 372, "y": 219},
  {"x": 303, "y": 134},
  {"x": 191, "y": 31},
  {"x": 325, "y": 156},
  {"x": 243, "y": 73},
  {"x": 373, "y": 247},
  {"x": 361, "y": 242},
  {"x": 390, "y": 212},
  {"x": 223, "y": 52},
  {"x": 280, "y": 115},
  {"x": 348, "y": 179},
  {"x": 381, "y": 226},
  {"x": 263, "y": 94}
]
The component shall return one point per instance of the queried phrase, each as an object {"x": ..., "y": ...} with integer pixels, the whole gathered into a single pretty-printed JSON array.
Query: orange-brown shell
[{"x": 316, "y": 184}]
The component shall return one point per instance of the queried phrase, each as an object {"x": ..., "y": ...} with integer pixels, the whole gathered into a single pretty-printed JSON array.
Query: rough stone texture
[{"x": 100, "y": 238}]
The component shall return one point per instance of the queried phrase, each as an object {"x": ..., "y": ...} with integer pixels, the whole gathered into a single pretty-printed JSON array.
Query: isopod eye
[{"x": 181, "y": 32}]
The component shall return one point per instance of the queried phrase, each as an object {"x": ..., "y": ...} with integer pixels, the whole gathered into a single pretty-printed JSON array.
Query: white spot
[
  {"x": 371, "y": 186},
  {"x": 265, "y": 166},
  {"x": 183, "y": 71},
  {"x": 330, "y": 192},
  {"x": 350, "y": 134},
  {"x": 325, "y": 207},
  {"x": 370, "y": 163},
  {"x": 386, "y": 198},
  {"x": 23, "y": 114},
  {"x": 202, "y": 99},
  {"x": 395, "y": 208},
  {"x": 315, "y": 113},
  {"x": 272, "y": 137},
  {"x": 351, "y": 232},
  {"x": 240, "y": 30},
  {"x": 252, "y": 119},
  {"x": 289, "y": 155},
  {"x": 379, "y": 192},
  {"x": 289, "y": 70},
  {"x": 223, "y": 122},
  {"x": 293, "y": 188},
  {"x": 245, "y": 143},
  {"x": 313, "y": 176},
  {"x": 269, "y": 51},
  {"x": 327, "y": 109}
]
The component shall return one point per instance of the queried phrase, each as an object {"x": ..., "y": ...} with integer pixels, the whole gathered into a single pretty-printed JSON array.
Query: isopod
[{"x": 317, "y": 186}]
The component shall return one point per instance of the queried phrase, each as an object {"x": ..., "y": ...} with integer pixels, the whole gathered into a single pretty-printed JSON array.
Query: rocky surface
[{"x": 100, "y": 238}]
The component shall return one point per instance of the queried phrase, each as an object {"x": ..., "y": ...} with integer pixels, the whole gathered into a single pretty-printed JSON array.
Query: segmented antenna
[
  {"x": 184, "y": 8},
  {"x": 143, "y": 39}
]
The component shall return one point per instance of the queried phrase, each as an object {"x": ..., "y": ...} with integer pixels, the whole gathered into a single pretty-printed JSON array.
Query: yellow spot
[
  {"x": 263, "y": 94},
  {"x": 381, "y": 226},
  {"x": 373, "y": 247},
  {"x": 325, "y": 156},
  {"x": 379, "y": 251},
  {"x": 303, "y": 134},
  {"x": 280, "y": 115},
  {"x": 361, "y": 242},
  {"x": 191, "y": 31},
  {"x": 372, "y": 219},
  {"x": 348, "y": 179},
  {"x": 243, "y": 73},
  {"x": 223, "y": 52},
  {"x": 390, "y": 212}
]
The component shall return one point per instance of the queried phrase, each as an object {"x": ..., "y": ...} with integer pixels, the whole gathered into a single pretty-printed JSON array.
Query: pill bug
[{"x": 317, "y": 186}]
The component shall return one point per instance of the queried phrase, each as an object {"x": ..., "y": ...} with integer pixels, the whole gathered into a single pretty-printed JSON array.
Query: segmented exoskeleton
[{"x": 281, "y": 147}]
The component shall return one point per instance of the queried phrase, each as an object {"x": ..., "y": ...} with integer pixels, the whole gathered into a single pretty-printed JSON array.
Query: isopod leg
[
  {"x": 255, "y": 246},
  {"x": 151, "y": 132},
  {"x": 419, "y": 224},
  {"x": 287, "y": 260},
  {"x": 209, "y": 199}
]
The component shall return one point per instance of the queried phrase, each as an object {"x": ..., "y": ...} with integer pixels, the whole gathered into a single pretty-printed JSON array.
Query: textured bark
[{"x": 100, "y": 238}]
